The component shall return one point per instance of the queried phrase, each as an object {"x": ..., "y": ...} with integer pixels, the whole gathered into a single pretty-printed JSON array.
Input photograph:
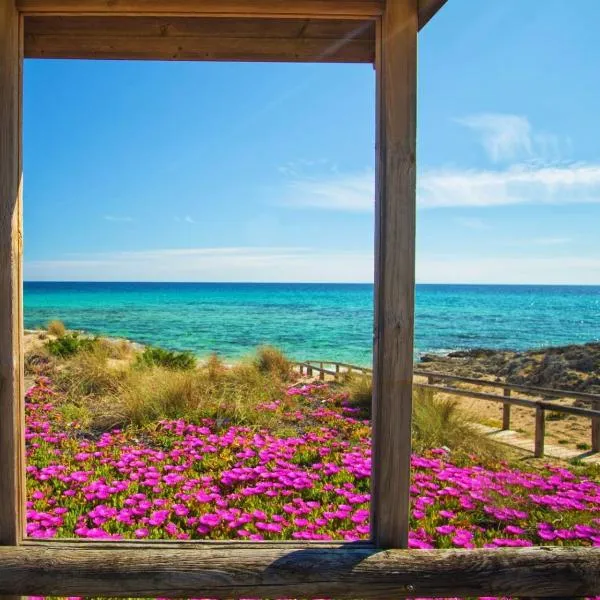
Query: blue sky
[{"x": 264, "y": 172}]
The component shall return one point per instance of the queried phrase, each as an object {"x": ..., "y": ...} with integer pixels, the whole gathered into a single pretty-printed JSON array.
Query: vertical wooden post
[
  {"x": 506, "y": 411},
  {"x": 309, "y": 372},
  {"x": 12, "y": 414},
  {"x": 395, "y": 208},
  {"x": 321, "y": 373},
  {"x": 540, "y": 431},
  {"x": 596, "y": 428}
]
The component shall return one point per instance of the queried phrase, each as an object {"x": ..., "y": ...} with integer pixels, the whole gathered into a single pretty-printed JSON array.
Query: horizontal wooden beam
[
  {"x": 197, "y": 38},
  {"x": 323, "y": 9},
  {"x": 348, "y": 9},
  {"x": 549, "y": 406},
  {"x": 304, "y": 572}
]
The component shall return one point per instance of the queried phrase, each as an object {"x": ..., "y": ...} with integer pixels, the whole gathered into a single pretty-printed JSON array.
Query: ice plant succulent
[{"x": 205, "y": 480}]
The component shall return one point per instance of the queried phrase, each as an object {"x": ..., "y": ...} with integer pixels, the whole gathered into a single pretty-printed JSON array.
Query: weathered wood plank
[
  {"x": 428, "y": 9},
  {"x": 550, "y": 406},
  {"x": 348, "y": 9},
  {"x": 395, "y": 209},
  {"x": 596, "y": 428},
  {"x": 12, "y": 414},
  {"x": 506, "y": 411},
  {"x": 336, "y": 29},
  {"x": 540, "y": 431},
  {"x": 200, "y": 48},
  {"x": 343, "y": 572},
  {"x": 526, "y": 389},
  {"x": 193, "y": 38}
]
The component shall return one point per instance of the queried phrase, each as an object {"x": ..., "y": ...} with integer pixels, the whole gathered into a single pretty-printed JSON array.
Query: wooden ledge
[{"x": 271, "y": 571}]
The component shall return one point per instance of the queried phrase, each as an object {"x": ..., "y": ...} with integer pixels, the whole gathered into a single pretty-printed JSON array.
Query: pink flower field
[{"x": 211, "y": 480}]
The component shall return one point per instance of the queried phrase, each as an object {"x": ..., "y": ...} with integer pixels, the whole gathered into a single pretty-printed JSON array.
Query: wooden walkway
[
  {"x": 545, "y": 401},
  {"x": 517, "y": 440}
]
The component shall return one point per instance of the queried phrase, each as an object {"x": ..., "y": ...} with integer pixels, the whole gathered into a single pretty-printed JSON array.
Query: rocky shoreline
[{"x": 574, "y": 367}]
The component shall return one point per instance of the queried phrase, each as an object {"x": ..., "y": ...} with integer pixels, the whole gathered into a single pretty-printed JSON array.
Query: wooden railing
[{"x": 541, "y": 407}]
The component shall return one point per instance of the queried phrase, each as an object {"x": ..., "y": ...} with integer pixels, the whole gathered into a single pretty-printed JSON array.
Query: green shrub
[
  {"x": 69, "y": 345},
  {"x": 270, "y": 360},
  {"x": 158, "y": 357},
  {"x": 56, "y": 328}
]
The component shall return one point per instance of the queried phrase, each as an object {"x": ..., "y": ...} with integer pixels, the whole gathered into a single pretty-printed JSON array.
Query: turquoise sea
[{"x": 314, "y": 321}]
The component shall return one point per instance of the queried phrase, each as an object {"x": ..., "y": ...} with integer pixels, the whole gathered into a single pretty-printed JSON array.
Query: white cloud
[
  {"x": 573, "y": 270},
  {"x": 209, "y": 264},
  {"x": 118, "y": 219},
  {"x": 188, "y": 219},
  {"x": 504, "y": 137},
  {"x": 352, "y": 192},
  {"x": 442, "y": 188},
  {"x": 471, "y": 223},
  {"x": 306, "y": 264},
  {"x": 519, "y": 184}
]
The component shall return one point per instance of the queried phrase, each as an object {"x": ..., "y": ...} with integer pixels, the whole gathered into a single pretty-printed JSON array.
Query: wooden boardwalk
[{"x": 517, "y": 440}]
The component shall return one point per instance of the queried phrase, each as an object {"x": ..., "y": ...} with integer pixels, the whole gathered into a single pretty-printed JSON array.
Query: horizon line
[{"x": 310, "y": 283}]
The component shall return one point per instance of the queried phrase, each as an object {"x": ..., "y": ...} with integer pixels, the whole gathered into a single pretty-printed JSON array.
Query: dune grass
[
  {"x": 56, "y": 328},
  {"x": 436, "y": 423},
  {"x": 104, "y": 384}
]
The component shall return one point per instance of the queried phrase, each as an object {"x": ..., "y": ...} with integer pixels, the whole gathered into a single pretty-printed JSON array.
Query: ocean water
[{"x": 315, "y": 321}]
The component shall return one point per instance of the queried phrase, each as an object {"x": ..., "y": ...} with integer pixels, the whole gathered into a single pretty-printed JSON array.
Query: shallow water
[{"x": 314, "y": 321}]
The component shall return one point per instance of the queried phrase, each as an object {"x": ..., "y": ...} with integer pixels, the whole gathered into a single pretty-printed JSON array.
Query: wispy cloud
[
  {"x": 446, "y": 268},
  {"x": 287, "y": 264},
  {"x": 116, "y": 219},
  {"x": 209, "y": 264},
  {"x": 519, "y": 184},
  {"x": 352, "y": 192},
  {"x": 471, "y": 223},
  {"x": 504, "y": 137},
  {"x": 186, "y": 219}
]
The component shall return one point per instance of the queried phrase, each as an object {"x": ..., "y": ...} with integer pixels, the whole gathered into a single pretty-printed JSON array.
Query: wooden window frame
[{"x": 381, "y": 568}]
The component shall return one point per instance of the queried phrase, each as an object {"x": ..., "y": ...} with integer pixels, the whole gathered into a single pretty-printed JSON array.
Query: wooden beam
[
  {"x": 302, "y": 572},
  {"x": 193, "y": 38},
  {"x": 428, "y": 9},
  {"x": 12, "y": 413},
  {"x": 348, "y": 9},
  {"x": 395, "y": 208},
  {"x": 324, "y": 9}
]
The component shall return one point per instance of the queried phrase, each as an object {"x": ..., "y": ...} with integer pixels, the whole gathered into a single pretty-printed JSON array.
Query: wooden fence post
[
  {"x": 596, "y": 428},
  {"x": 540, "y": 430},
  {"x": 506, "y": 411},
  {"x": 321, "y": 373},
  {"x": 309, "y": 371}
]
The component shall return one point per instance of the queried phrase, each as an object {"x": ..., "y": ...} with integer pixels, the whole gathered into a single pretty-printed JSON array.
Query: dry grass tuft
[
  {"x": 56, "y": 328},
  {"x": 436, "y": 422},
  {"x": 270, "y": 360}
]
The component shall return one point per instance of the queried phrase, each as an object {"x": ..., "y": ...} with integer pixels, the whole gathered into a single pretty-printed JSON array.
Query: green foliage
[
  {"x": 56, "y": 328},
  {"x": 158, "y": 357},
  {"x": 69, "y": 345},
  {"x": 272, "y": 360}
]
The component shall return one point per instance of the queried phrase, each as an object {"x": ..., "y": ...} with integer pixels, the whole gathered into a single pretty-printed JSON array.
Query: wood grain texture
[
  {"x": 358, "y": 9},
  {"x": 428, "y": 9},
  {"x": 194, "y": 38},
  {"x": 596, "y": 428},
  {"x": 343, "y": 572},
  {"x": 12, "y": 414},
  {"x": 549, "y": 406},
  {"x": 506, "y": 411},
  {"x": 395, "y": 208},
  {"x": 526, "y": 389},
  {"x": 348, "y": 9},
  {"x": 540, "y": 432}
]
